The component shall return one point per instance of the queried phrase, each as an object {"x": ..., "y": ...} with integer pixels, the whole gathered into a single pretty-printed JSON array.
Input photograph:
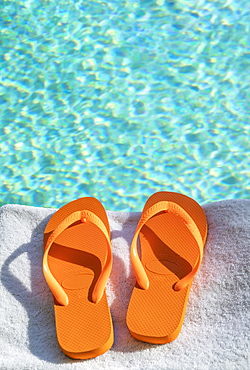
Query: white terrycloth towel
[{"x": 216, "y": 329}]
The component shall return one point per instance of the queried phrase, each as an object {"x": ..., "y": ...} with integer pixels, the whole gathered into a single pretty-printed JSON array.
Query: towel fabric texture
[{"x": 216, "y": 329}]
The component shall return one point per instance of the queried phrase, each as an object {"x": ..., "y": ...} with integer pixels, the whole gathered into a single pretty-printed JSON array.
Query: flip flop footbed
[
  {"x": 168, "y": 253},
  {"x": 76, "y": 259}
]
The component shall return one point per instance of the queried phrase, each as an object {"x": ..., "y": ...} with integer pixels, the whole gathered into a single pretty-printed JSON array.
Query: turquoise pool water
[{"x": 120, "y": 99}]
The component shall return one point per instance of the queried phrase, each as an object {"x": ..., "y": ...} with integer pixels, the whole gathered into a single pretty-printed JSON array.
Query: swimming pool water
[{"x": 120, "y": 99}]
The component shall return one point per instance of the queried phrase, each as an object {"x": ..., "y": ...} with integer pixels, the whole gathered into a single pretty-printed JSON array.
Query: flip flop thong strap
[
  {"x": 172, "y": 207},
  {"x": 56, "y": 288}
]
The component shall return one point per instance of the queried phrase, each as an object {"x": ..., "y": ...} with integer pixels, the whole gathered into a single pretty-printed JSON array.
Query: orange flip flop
[
  {"x": 172, "y": 232},
  {"x": 77, "y": 263}
]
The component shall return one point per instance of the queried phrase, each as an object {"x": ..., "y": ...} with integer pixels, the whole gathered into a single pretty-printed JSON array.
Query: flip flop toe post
[
  {"x": 172, "y": 232},
  {"x": 77, "y": 263}
]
